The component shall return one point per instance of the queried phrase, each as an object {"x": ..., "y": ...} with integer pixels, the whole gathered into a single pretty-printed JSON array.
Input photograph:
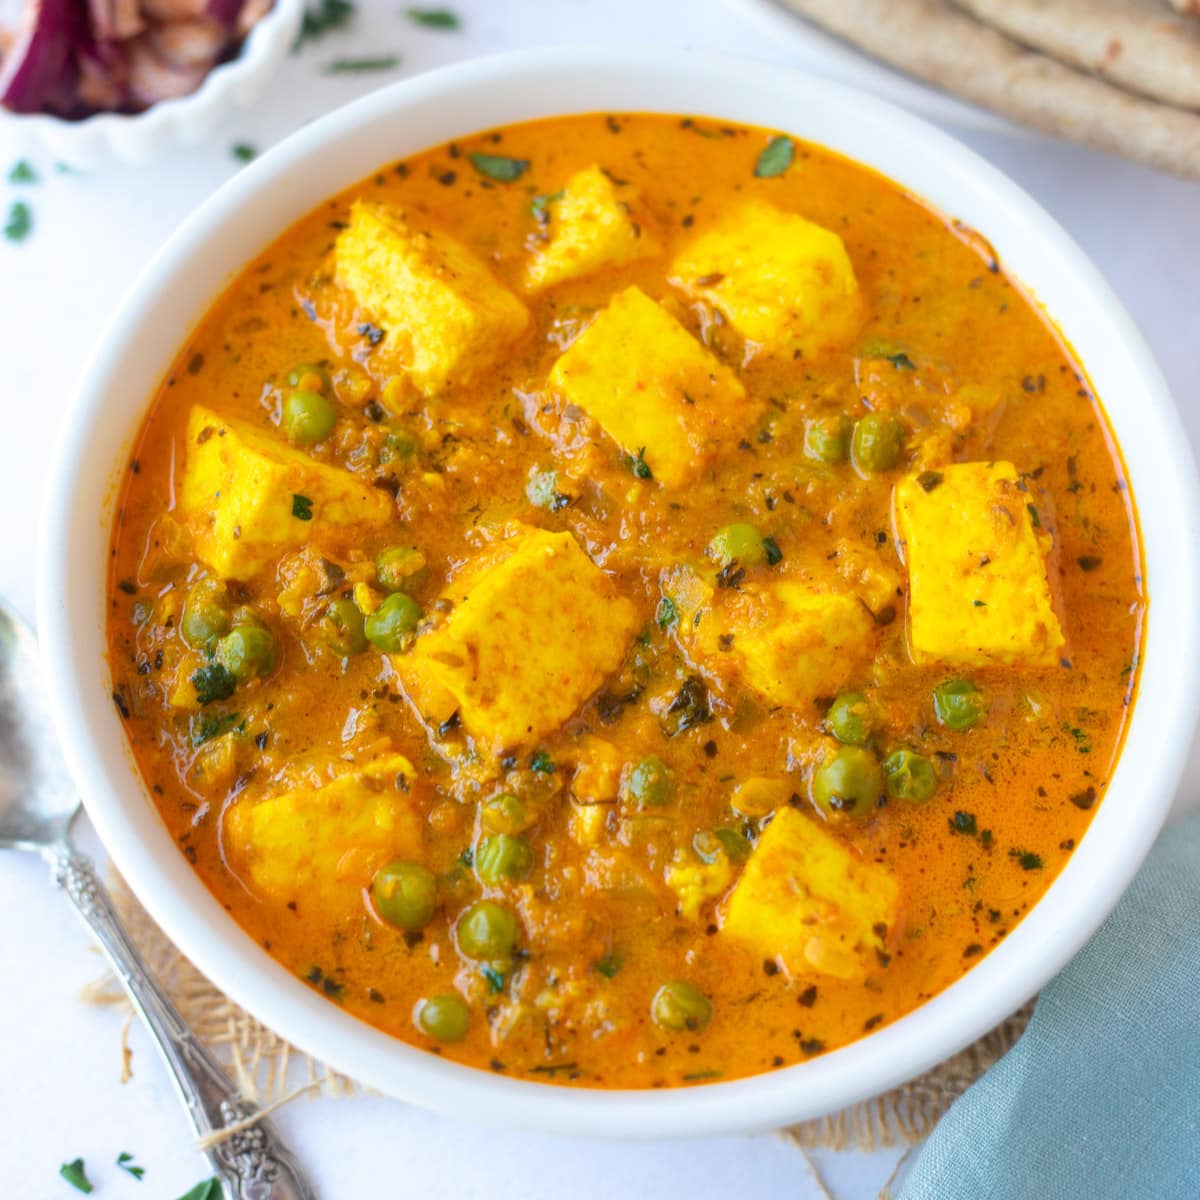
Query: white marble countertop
[{"x": 93, "y": 233}]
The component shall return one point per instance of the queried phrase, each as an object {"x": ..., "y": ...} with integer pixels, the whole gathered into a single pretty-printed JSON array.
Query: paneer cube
[
  {"x": 444, "y": 315},
  {"x": 592, "y": 228},
  {"x": 977, "y": 588},
  {"x": 782, "y": 282},
  {"x": 654, "y": 389},
  {"x": 320, "y": 846},
  {"x": 248, "y": 496},
  {"x": 533, "y": 630},
  {"x": 790, "y": 640},
  {"x": 810, "y": 902}
]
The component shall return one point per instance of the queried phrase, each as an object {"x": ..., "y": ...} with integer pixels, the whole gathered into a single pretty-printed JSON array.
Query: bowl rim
[{"x": 475, "y": 94}]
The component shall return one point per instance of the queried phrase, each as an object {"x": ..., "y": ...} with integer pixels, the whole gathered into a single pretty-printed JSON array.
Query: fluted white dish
[{"x": 188, "y": 120}]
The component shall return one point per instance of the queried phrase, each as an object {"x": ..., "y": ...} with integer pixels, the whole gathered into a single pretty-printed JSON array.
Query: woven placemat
[{"x": 270, "y": 1072}]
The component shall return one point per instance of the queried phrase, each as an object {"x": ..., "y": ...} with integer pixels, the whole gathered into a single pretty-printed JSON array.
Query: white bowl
[
  {"x": 186, "y": 121},
  {"x": 320, "y": 160}
]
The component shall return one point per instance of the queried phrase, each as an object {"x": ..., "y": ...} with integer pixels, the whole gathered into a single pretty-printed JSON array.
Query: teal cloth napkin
[{"x": 1101, "y": 1096}]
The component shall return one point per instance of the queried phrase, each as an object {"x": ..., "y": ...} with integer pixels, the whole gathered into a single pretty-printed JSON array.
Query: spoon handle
[{"x": 253, "y": 1163}]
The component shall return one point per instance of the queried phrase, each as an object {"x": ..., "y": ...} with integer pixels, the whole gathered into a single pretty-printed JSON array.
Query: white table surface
[{"x": 60, "y": 1095}]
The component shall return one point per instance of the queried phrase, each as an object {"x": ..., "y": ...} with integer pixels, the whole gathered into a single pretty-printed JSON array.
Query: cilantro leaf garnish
[
  {"x": 358, "y": 66},
  {"x": 775, "y": 158},
  {"x": 20, "y": 222},
  {"x": 126, "y": 1163},
  {"x": 75, "y": 1175},
  {"x": 327, "y": 16},
  {"x": 213, "y": 682},
  {"x": 435, "y": 18},
  {"x": 498, "y": 166}
]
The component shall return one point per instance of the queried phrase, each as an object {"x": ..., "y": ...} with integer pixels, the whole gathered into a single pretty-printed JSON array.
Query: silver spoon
[{"x": 37, "y": 809}]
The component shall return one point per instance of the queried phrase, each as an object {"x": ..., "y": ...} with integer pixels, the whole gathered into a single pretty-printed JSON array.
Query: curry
[{"x": 626, "y": 601}]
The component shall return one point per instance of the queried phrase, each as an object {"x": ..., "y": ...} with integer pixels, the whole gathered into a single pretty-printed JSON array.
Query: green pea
[
  {"x": 850, "y": 783},
  {"x": 712, "y": 844},
  {"x": 501, "y": 857},
  {"x": 678, "y": 1007},
  {"x": 738, "y": 543},
  {"x": 488, "y": 931},
  {"x": 309, "y": 377},
  {"x": 504, "y": 813},
  {"x": 649, "y": 783},
  {"x": 910, "y": 776},
  {"x": 390, "y": 627},
  {"x": 827, "y": 439},
  {"x": 342, "y": 627},
  {"x": 308, "y": 417},
  {"x": 205, "y": 613},
  {"x": 397, "y": 566},
  {"x": 248, "y": 650},
  {"x": 405, "y": 895},
  {"x": 878, "y": 440},
  {"x": 446, "y": 1018},
  {"x": 850, "y": 718},
  {"x": 959, "y": 704}
]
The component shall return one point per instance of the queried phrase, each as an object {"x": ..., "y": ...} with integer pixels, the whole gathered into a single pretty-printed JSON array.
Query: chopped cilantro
[
  {"x": 929, "y": 480},
  {"x": 1033, "y": 516},
  {"x": 1027, "y": 860},
  {"x": 668, "y": 613},
  {"x": 467, "y": 858},
  {"x": 126, "y": 1163},
  {"x": 327, "y": 16},
  {"x": 608, "y": 966},
  {"x": 495, "y": 979},
  {"x": 638, "y": 464},
  {"x": 75, "y": 1175},
  {"x": 772, "y": 551},
  {"x": 20, "y": 222},
  {"x": 324, "y": 984},
  {"x": 359, "y": 66},
  {"x": 1082, "y": 742},
  {"x": 213, "y": 682},
  {"x": 211, "y": 725},
  {"x": 435, "y": 18},
  {"x": 244, "y": 152},
  {"x": 775, "y": 158},
  {"x": 963, "y": 822},
  {"x": 498, "y": 166},
  {"x": 22, "y": 172},
  {"x": 301, "y": 507},
  {"x": 688, "y": 709},
  {"x": 542, "y": 763}
]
